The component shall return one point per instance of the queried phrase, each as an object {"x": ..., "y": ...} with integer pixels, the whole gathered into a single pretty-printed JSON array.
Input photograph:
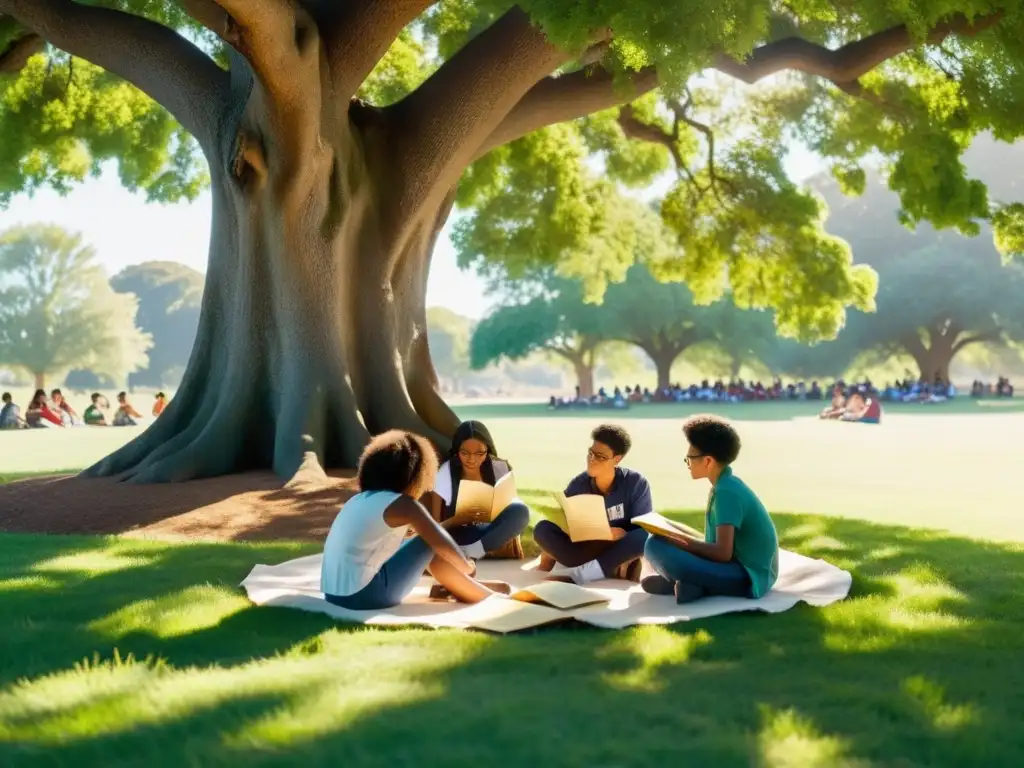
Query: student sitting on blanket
[
  {"x": 626, "y": 495},
  {"x": 368, "y": 563},
  {"x": 739, "y": 555},
  {"x": 474, "y": 457}
]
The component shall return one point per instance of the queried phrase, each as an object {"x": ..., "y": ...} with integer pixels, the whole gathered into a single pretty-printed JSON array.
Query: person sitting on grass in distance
[
  {"x": 95, "y": 415},
  {"x": 63, "y": 408},
  {"x": 739, "y": 555},
  {"x": 125, "y": 415},
  {"x": 866, "y": 412},
  {"x": 10, "y": 414},
  {"x": 159, "y": 403},
  {"x": 368, "y": 562},
  {"x": 627, "y": 495},
  {"x": 39, "y": 413},
  {"x": 474, "y": 457},
  {"x": 835, "y": 410}
]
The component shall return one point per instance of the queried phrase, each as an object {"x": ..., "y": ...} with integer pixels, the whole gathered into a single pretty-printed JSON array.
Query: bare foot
[{"x": 547, "y": 562}]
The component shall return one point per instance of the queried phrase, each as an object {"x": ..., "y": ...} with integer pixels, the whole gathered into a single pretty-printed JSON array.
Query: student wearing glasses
[
  {"x": 474, "y": 457},
  {"x": 627, "y": 495},
  {"x": 739, "y": 554}
]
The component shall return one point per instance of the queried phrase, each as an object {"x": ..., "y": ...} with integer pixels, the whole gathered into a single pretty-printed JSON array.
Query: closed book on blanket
[
  {"x": 583, "y": 517},
  {"x": 483, "y": 502},
  {"x": 502, "y": 615},
  {"x": 559, "y": 595},
  {"x": 659, "y": 525}
]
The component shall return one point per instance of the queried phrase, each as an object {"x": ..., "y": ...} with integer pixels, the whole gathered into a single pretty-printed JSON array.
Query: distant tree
[
  {"x": 659, "y": 317},
  {"x": 935, "y": 302},
  {"x": 557, "y": 320},
  {"x": 170, "y": 296},
  {"x": 739, "y": 338},
  {"x": 448, "y": 336},
  {"x": 58, "y": 311}
]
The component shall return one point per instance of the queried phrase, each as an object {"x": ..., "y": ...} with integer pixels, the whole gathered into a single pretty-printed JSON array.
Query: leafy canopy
[
  {"x": 57, "y": 310},
  {"x": 740, "y": 222}
]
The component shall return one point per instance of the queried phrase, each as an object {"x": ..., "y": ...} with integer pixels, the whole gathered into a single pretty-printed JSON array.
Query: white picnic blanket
[{"x": 296, "y": 584}]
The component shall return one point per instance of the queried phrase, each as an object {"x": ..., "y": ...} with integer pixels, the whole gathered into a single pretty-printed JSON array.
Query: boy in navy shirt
[{"x": 626, "y": 495}]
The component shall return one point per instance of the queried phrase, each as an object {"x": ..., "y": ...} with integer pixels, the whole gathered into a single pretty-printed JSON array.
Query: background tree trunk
[
  {"x": 40, "y": 379},
  {"x": 584, "y": 377}
]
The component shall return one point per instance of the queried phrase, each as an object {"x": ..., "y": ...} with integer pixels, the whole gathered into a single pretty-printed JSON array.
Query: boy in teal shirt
[{"x": 739, "y": 555}]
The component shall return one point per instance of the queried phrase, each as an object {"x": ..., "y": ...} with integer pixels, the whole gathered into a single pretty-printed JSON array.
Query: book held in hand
[
  {"x": 659, "y": 525},
  {"x": 583, "y": 517},
  {"x": 483, "y": 502}
]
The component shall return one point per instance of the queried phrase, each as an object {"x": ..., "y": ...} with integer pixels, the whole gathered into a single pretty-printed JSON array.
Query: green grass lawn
[{"x": 126, "y": 652}]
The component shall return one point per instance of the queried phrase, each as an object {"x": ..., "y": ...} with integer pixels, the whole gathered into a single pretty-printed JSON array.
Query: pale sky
[{"x": 125, "y": 230}]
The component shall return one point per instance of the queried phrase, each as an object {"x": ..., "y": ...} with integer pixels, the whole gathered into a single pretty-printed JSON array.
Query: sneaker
[
  {"x": 688, "y": 593},
  {"x": 658, "y": 585}
]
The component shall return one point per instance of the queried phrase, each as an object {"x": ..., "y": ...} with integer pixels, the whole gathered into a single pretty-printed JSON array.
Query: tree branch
[
  {"x": 19, "y": 52},
  {"x": 212, "y": 16},
  {"x": 568, "y": 97},
  {"x": 994, "y": 334},
  {"x": 157, "y": 60},
  {"x": 847, "y": 64},
  {"x": 359, "y": 32},
  {"x": 449, "y": 116}
]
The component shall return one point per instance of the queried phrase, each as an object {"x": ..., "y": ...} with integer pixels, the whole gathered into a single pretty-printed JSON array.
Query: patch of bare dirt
[{"x": 246, "y": 507}]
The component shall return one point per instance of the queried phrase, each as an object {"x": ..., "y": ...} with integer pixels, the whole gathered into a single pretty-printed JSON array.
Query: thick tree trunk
[
  {"x": 663, "y": 360},
  {"x": 313, "y": 327},
  {"x": 584, "y": 377},
  {"x": 40, "y": 379}
]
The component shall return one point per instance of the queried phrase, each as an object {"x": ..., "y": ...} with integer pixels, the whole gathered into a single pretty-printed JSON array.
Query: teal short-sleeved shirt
[{"x": 756, "y": 545}]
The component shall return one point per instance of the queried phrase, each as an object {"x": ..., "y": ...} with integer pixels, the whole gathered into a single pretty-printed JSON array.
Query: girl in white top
[
  {"x": 368, "y": 563},
  {"x": 474, "y": 457}
]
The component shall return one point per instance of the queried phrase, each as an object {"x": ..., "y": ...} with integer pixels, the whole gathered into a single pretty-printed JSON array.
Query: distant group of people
[
  {"x": 405, "y": 520},
  {"x": 859, "y": 404},
  {"x": 56, "y": 411},
  {"x": 1002, "y": 388},
  {"x": 739, "y": 391}
]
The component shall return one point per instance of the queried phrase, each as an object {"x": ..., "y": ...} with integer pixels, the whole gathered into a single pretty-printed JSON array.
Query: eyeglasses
[
  {"x": 475, "y": 455},
  {"x": 597, "y": 456},
  {"x": 689, "y": 459}
]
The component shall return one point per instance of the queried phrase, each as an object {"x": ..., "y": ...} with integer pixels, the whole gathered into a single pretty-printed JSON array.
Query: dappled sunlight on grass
[
  {"x": 651, "y": 648},
  {"x": 30, "y": 583},
  {"x": 171, "y": 615},
  {"x": 790, "y": 740},
  {"x": 93, "y": 562},
  {"x": 931, "y": 697}
]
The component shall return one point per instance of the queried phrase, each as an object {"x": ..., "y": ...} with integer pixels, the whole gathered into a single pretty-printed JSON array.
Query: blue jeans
[
  {"x": 676, "y": 564},
  {"x": 393, "y": 582},
  {"x": 509, "y": 523},
  {"x": 609, "y": 554}
]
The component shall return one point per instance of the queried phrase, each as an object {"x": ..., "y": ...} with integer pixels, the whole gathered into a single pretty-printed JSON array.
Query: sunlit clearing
[
  {"x": 181, "y": 613},
  {"x": 652, "y": 647},
  {"x": 788, "y": 740},
  {"x": 931, "y": 697}
]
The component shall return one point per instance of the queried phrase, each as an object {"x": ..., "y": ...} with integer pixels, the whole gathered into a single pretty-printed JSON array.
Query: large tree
[
  {"x": 336, "y": 135},
  {"x": 58, "y": 311},
  {"x": 170, "y": 296}
]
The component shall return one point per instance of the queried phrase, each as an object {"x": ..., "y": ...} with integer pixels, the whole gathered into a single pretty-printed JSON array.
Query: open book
[
  {"x": 659, "y": 525},
  {"x": 558, "y": 594},
  {"x": 582, "y": 517},
  {"x": 500, "y": 614},
  {"x": 482, "y": 502}
]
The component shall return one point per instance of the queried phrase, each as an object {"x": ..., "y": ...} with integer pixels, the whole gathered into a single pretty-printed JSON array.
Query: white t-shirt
[
  {"x": 443, "y": 481},
  {"x": 359, "y": 543}
]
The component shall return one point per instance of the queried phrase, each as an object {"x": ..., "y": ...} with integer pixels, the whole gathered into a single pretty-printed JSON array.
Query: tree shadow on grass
[{"x": 919, "y": 667}]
